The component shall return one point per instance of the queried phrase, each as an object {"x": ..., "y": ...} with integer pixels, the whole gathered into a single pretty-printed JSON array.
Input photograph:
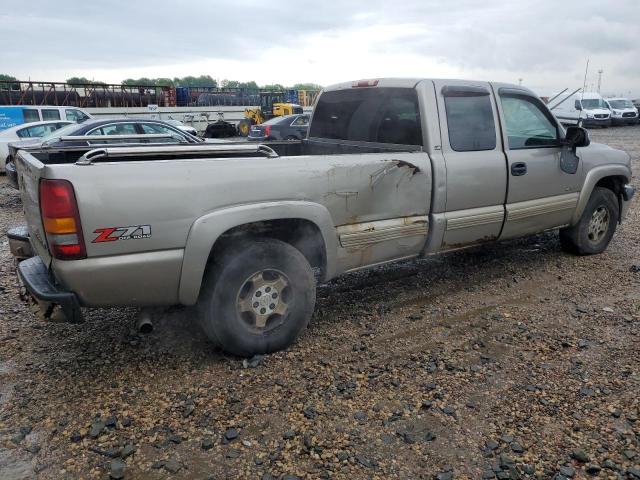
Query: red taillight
[
  {"x": 364, "y": 83},
  {"x": 61, "y": 220},
  {"x": 267, "y": 130}
]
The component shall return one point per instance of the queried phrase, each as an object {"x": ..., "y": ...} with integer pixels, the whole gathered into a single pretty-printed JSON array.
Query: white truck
[
  {"x": 589, "y": 108},
  {"x": 392, "y": 169},
  {"x": 623, "y": 112}
]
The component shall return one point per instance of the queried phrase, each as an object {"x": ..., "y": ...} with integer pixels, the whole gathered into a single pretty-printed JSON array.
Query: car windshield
[
  {"x": 66, "y": 130},
  {"x": 593, "y": 103},
  {"x": 620, "y": 103}
]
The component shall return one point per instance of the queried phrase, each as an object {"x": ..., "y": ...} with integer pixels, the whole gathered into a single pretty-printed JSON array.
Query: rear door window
[
  {"x": 50, "y": 114},
  {"x": 36, "y": 131},
  {"x": 469, "y": 119},
  {"x": 376, "y": 115},
  {"x": 115, "y": 129},
  {"x": 157, "y": 129},
  {"x": 30, "y": 115}
]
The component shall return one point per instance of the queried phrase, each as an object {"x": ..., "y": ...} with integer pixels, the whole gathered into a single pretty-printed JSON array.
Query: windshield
[
  {"x": 624, "y": 103},
  {"x": 66, "y": 130},
  {"x": 593, "y": 103}
]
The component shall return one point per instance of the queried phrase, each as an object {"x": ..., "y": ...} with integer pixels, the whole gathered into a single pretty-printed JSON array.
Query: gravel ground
[{"x": 510, "y": 361}]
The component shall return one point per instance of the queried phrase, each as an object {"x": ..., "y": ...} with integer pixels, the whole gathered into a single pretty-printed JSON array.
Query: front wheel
[
  {"x": 257, "y": 297},
  {"x": 596, "y": 226}
]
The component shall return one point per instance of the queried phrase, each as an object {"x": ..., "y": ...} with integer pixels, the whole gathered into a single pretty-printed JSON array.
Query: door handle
[{"x": 518, "y": 169}]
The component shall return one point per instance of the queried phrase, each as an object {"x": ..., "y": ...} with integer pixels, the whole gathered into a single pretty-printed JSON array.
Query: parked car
[
  {"x": 97, "y": 131},
  {"x": 24, "y": 131},
  {"x": 623, "y": 112},
  {"x": 185, "y": 128},
  {"x": 589, "y": 108},
  {"x": 392, "y": 169},
  {"x": 289, "y": 127},
  {"x": 11, "y": 116}
]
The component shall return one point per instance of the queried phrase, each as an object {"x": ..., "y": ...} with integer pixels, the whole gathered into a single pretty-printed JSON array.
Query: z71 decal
[{"x": 111, "y": 234}]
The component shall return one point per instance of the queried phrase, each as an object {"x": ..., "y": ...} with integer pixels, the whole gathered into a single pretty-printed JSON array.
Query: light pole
[{"x": 599, "y": 79}]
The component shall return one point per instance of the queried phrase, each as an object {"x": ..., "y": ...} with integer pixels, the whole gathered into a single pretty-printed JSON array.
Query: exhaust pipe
[{"x": 144, "y": 323}]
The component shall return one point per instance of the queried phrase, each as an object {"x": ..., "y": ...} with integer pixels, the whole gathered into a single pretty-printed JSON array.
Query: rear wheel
[
  {"x": 257, "y": 297},
  {"x": 596, "y": 227},
  {"x": 244, "y": 127}
]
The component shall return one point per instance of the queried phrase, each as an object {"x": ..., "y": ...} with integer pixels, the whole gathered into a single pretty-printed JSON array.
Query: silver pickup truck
[{"x": 392, "y": 169}]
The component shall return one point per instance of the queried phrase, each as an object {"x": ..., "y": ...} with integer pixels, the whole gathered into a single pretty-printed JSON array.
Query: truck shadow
[{"x": 109, "y": 335}]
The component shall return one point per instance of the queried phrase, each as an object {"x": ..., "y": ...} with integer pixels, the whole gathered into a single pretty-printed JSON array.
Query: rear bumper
[
  {"x": 35, "y": 276},
  {"x": 628, "y": 192}
]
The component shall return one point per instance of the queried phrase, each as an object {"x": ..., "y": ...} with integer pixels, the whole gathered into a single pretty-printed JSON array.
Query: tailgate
[{"x": 30, "y": 170}]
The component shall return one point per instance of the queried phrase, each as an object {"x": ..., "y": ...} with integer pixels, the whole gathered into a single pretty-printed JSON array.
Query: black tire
[
  {"x": 580, "y": 239},
  {"x": 230, "y": 285}
]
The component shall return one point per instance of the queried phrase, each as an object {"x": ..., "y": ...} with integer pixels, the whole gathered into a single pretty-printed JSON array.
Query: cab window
[
  {"x": 50, "y": 114},
  {"x": 527, "y": 123},
  {"x": 377, "y": 115},
  {"x": 469, "y": 118},
  {"x": 75, "y": 115}
]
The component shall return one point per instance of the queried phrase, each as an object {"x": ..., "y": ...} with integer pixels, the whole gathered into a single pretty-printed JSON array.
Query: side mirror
[
  {"x": 577, "y": 137},
  {"x": 578, "y": 106}
]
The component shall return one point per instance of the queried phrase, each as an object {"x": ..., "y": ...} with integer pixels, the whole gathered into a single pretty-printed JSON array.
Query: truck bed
[{"x": 282, "y": 148}]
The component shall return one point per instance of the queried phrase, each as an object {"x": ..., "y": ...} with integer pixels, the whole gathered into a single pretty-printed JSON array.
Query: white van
[
  {"x": 622, "y": 111},
  {"x": 11, "y": 116},
  {"x": 589, "y": 107}
]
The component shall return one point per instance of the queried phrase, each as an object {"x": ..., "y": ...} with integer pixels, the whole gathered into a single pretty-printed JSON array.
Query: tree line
[{"x": 188, "y": 81}]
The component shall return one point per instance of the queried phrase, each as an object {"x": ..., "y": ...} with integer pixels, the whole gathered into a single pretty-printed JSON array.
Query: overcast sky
[{"x": 546, "y": 43}]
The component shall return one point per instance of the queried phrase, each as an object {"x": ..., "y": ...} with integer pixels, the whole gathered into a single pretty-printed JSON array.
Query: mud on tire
[
  {"x": 257, "y": 297},
  {"x": 596, "y": 226}
]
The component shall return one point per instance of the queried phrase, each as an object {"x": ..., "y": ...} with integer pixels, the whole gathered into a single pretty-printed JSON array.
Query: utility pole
[
  {"x": 599, "y": 79},
  {"x": 519, "y": 81}
]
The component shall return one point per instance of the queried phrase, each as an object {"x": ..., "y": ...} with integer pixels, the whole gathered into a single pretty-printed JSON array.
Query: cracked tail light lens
[{"x": 61, "y": 220}]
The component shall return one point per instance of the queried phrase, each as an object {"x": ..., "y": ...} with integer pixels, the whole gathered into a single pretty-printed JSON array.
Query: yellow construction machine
[{"x": 272, "y": 104}]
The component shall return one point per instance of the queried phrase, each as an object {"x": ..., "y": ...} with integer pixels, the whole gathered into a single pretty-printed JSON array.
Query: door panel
[
  {"x": 475, "y": 163},
  {"x": 541, "y": 195}
]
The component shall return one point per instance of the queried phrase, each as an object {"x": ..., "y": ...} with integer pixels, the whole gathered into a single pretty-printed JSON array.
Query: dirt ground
[{"x": 514, "y": 360}]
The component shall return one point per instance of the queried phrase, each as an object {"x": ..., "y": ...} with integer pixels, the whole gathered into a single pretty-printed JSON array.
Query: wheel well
[
  {"x": 615, "y": 184},
  {"x": 299, "y": 233}
]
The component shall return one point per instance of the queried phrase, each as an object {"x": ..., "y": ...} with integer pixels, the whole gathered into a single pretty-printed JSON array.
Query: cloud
[{"x": 544, "y": 42}]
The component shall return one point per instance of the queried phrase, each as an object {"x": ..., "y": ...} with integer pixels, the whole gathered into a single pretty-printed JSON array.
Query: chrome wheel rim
[
  {"x": 598, "y": 225},
  {"x": 263, "y": 300}
]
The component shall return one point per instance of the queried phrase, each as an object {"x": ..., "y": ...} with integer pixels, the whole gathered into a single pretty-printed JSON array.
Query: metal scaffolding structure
[{"x": 100, "y": 95}]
